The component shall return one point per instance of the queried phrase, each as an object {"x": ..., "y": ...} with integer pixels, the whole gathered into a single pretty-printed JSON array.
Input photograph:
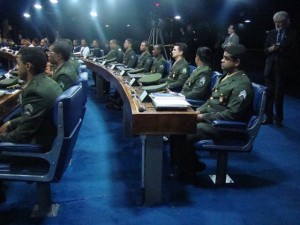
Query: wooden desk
[
  {"x": 151, "y": 125},
  {"x": 8, "y": 103}
]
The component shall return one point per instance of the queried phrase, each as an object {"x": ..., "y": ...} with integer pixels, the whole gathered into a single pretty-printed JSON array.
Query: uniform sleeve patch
[
  {"x": 161, "y": 66},
  {"x": 28, "y": 109},
  {"x": 243, "y": 95},
  {"x": 184, "y": 71},
  {"x": 202, "y": 81}
]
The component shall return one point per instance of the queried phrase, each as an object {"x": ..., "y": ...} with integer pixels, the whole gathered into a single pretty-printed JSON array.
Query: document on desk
[{"x": 169, "y": 101}]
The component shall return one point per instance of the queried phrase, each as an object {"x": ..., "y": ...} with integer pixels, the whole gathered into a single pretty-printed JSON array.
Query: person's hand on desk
[
  {"x": 4, "y": 128},
  {"x": 199, "y": 116}
]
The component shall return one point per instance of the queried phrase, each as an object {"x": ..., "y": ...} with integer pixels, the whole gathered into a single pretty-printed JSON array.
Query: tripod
[{"x": 156, "y": 37}]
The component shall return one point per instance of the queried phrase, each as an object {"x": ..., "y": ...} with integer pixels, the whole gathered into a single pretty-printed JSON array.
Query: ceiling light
[{"x": 37, "y": 6}]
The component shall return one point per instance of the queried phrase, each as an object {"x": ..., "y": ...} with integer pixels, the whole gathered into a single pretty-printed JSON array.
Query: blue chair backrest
[
  {"x": 258, "y": 108},
  {"x": 214, "y": 77},
  {"x": 168, "y": 66},
  {"x": 83, "y": 80},
  {"x": 68, "y": 119},
  {"x": 191, "y": 69}
]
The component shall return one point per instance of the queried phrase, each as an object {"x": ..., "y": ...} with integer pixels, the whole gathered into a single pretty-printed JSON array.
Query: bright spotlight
[
  {"x": 37, "y": 6},
  {"x": 54, "y": 1},
  {"x": 93, "y": 14},
  {"x": 128, "y": 25},
  {"x": 107, "y": 26},
  {"x": 26, "y": 15},
  {"x": 177, "y": 17},
  {"x": 247, "y": 21}
]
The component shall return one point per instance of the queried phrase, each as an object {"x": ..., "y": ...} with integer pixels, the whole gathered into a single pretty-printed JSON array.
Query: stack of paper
[{"x": 169, "y": 101}]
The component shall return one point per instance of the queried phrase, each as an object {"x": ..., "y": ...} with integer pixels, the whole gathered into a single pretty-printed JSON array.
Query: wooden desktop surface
[{"x": 150, "y": 121}]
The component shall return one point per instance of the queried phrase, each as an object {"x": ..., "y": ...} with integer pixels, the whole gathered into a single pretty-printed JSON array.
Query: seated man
[
  {"x": 159, "y": 63},
  {"x": 85, "y": 49},
  {"x": 145, "y": 60},
  {"x": 129, "y": 57},
  {"x": 115, "y": 52},
  {"x": 37, "y": 99},
  {"x": 231, "y": 100},
  {"x": 66, "y": 73},
  {"x": 34, "y": 124},
  {"x": 197, "y": 86},
  {"x": 180, "y": 69}
]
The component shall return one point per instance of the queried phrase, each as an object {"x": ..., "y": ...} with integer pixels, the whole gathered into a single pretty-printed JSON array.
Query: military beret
[
  {"x": 150, "y": 79},
  {"x": 155, "y": 88}
]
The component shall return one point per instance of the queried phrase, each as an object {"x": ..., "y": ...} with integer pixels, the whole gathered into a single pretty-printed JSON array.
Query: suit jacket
[
  {"x": 286, "y": 56},
  {"x": 231, "y": 39}
]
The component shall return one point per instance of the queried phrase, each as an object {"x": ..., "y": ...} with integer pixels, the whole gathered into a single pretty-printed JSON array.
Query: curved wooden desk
[{"x": 151, "y": 125}]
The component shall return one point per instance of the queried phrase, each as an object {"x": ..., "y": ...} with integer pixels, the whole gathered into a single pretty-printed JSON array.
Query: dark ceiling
[{"x": 71, "y": 18}]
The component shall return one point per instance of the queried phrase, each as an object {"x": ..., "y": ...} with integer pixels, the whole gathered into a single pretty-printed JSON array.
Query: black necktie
[{"x": 279, "y": 36}]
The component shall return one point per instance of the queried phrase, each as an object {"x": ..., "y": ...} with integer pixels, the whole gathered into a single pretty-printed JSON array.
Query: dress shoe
[
  {"x": 267, "y": 121},
  {"x": 184, "y": 174},
  {"x": 278, "y": 123}
]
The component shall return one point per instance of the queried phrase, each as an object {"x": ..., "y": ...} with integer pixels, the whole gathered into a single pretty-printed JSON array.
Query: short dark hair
[
  {"x": 205, "y": 54},
  {"x": 182, "y": 47},
  {"x": 238, "y": 52},
  {"x": 160, "y": 47},
  {"x": 147, "y": 44},
  {"x": 129, "y": 40},
  {"x": 62, "y": 47},
  {"x": 36, "y": 57}
]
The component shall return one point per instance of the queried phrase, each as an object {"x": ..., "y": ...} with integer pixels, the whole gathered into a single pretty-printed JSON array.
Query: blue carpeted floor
[{"x": 101, "y": 186}]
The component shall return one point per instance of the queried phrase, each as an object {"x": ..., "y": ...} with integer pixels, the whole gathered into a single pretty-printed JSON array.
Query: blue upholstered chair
[
  {"x": 233, "y": 145},
  {"x": 197, "y": 103},
  {"x": 47, "y": 167}
]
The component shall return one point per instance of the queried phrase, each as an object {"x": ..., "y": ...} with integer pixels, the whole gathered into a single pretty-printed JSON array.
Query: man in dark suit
[{"x": 280, "y": 49}]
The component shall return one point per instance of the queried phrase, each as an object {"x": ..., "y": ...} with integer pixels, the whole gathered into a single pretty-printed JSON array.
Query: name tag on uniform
[
  {"x": 113, "y": 66},
  {"x": 122, "y": 72}
]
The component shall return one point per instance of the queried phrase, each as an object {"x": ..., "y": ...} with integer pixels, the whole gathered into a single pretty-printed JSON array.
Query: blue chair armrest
[
  {"x": 195, "y": 103},
  {"x": 22, "y": 148},
  {"x": 230, "y": 125}
]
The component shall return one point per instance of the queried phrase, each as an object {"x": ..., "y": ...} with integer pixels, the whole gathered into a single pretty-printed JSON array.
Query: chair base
[
  {"x": 36, "y": 212},
  {"x": 227, "y": 181}
]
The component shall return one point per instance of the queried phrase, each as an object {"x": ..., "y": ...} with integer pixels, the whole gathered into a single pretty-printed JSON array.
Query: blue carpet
[{"x": 101, "y": 186}]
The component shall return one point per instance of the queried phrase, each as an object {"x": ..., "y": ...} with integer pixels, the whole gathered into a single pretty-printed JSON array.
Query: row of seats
[{"x": 45, "y": 168}]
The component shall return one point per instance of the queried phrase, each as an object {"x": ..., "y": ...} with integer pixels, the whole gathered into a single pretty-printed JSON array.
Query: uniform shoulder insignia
[
  {"x": 161, "y": 66},
  {"x": 243, "y": 95},
  {"x": 184, "y": 71},
  {"x": 202, "y": 81},
  {"x": 132, "y": 56},
  {"x": 28, "y": 109},
  {"x": 148, "y": 60}
]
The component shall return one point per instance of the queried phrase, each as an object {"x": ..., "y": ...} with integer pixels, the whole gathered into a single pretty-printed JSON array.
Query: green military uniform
[
  {"x": 129, "y": 58},
  {"x": 115, "y": 53},
  {"x": 35, "y": 124},
  {"x": 231, "y": 100},
  {"x": 65, "y": 75},
  {"x": 197, "y": 85},
  {"x": 145, "y": 61},
  {"x": 178, "y": 75},
  {"x": 74, "y": 62},
  {"x": 159, "y": 66}
]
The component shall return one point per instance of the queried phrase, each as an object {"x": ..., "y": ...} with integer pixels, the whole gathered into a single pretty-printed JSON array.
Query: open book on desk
[{"x": 169, "y": 101}]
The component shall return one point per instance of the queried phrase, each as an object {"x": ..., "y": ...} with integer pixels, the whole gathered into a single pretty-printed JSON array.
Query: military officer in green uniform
[
  {"x": 159, "y": 63},
  {"x": 197, "y": 86},
  {"x": 115, "y": 53},
  {"x": 145, "y": 60},
  {"x": 35, "y": 123},
  {"x": 65, "y": 73},
  {"x": 231, "y": 100},
  {"x": 129, "y": 57},
  {"x": 180, "y": 70}
]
